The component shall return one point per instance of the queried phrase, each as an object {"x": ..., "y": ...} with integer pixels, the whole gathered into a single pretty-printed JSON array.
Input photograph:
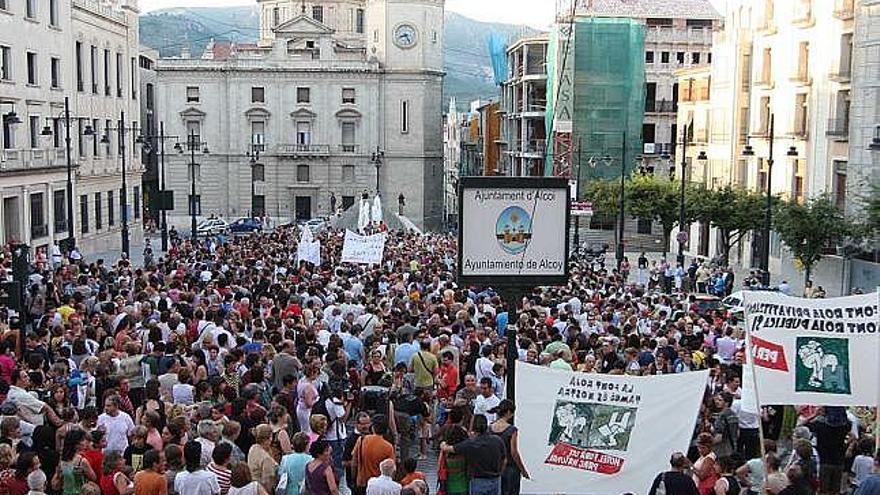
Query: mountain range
[{"x": 469, "y": 74}]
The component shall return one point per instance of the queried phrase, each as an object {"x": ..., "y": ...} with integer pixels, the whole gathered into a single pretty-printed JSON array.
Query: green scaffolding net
[{"x": 596, "y": 106}]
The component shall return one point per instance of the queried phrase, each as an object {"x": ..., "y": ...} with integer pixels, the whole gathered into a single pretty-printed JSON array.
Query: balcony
[
  {"x": 844, "y": 9},
  {"x": 802, "y": 78},
  {"x": 765, "y": 81},
  {"x": 767, "y": 27},
  {"x": 842, "y": 75},
  {"x": 799, "y": 132},
  {"x": 837, "y": 128},
  {"x": 700, "y": 136},
  {"x": 660, "y": 106},
  {"x": 532, "y": 147},
  {"x": 304, "y": 150},
  {"x": 31, "y": 159},
  {"x": 348, "y": 148},
  {"x": 39, "y": 231}
]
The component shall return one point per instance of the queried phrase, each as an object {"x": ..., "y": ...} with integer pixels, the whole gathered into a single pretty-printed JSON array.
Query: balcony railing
[
  {"x": 765, "y": 80},
  {"x": 844, "y": 9},
  {"x": 16, "y": 159},
  {"x": 660, "y": 106},
  {"x": 842, "y": 74},
  {"x": 60, "y": 225},
  {"x": 533, "y": 146},
  {"x": 304, "y": 149},
  {"x": 802, "y": 78},
  {"x": 38, "y": 231},
  {"x": 838, "y": 128},
  {"x": 348, "y": 148}
]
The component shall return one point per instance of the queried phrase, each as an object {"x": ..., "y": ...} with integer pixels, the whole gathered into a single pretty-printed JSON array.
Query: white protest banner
[
  {"x": 602, "y": 434},
  {"x": 366, "y": 249},
  {"x": 308, "y": 248},
  {"x": 813, "y": 351}
]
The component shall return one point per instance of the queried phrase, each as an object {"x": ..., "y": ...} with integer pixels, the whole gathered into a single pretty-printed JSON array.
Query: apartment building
[{"x": 524, "y": 106}]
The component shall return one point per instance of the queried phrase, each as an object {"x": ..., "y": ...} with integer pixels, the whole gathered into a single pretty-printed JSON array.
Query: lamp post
[
  {"x": 146, "y": 140},
  {"x": 577, "y": 193},
  {"x": 121, "y": 128},
  {"x": 47, "y": 131},
  {"x": 377, "y": 157},
  {"x": 254, "y": 155},
  {"x": 192, "y": 144},
  {"x": 748, "y": 151}
]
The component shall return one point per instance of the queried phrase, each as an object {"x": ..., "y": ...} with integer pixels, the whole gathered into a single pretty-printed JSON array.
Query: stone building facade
[{"x": 335, "y": 98}]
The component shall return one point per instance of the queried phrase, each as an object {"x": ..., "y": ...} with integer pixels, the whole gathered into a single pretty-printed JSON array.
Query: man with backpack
[{"x": 674, "y": 481}]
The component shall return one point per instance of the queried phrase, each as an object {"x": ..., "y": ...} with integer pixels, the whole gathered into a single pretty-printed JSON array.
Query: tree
[
  {"x": 650, "y": 197},
  {"x": 733, "y": 211},
  {"x": 807, "y": 229}
]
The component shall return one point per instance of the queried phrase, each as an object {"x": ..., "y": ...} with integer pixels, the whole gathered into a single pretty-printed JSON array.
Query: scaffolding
[{"x": 596, "y": 94}]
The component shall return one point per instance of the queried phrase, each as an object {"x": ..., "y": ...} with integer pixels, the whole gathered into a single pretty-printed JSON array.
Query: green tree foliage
[
  {"x": 807, "y": 229},
  {"x": 734, "y": 211}
]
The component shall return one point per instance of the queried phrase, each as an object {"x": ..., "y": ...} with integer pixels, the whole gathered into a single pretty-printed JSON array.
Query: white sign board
[
  {"x": 813, "y": 351},
  {"x": 513, "y": 227},
  {"x": 308, "y": 248},
  {"x": 602, "y": 434},
  {"x": 366, "y": 249}
]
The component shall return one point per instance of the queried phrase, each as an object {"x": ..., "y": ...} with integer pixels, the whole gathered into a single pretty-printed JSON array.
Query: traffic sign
[{"x": 582, "y": 208}]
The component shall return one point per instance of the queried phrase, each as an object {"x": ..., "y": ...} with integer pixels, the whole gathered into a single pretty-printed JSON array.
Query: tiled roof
[{"x": 683, "y": 9}]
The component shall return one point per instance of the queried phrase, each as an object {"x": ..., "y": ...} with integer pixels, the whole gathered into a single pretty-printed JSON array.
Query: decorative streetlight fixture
[
  {"x": 376, "y": 159},
  {"x": 193, "y": 144}
]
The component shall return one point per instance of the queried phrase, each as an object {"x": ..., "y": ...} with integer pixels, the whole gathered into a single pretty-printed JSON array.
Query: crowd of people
[{"x": 227, "y": 367}]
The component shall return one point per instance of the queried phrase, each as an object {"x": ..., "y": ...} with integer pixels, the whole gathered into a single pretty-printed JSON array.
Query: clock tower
[{"x": 406, "y": 38}]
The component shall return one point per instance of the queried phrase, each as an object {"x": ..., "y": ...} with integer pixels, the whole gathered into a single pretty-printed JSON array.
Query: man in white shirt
[
  {"x": 337, "y": 413},
  {"x": 195, "y": 480},
  {"x": 486, "y": 400},
  {"x": 29, "y": 408},
  {"x": 118, "y": 425},
  {"x": 384, "y": 484}
]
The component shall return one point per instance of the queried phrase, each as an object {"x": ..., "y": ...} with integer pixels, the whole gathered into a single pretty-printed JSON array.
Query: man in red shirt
[{"x": 447, "y": 384}]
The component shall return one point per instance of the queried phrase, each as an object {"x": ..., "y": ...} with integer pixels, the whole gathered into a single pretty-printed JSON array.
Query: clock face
[{"x": 405, "y": 36}]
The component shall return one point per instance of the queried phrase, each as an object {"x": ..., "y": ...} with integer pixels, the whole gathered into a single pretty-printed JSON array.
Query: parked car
[
  {"x": 211, "y": 226},
  {"x": 734, "y": 303},
  {"x": 245, "y": 226},
  {"x": 707, "y": 304},
  {"x": 316, "y": 224}
]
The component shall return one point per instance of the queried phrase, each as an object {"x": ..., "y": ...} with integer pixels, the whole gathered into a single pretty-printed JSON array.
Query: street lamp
[
  {"x": 254, "y": 155},
  {"x": 145, "y": 140},
  {"x": 607, "y": 160},
  {"x": 686, "y": 139},
  {"x": 126, "y": 243},
  {"x": 376, "y": 159},
  {"x": 47, "y": 131},
  {"x": 748, "y": 151},
  {"x": 192, "y": 144}
]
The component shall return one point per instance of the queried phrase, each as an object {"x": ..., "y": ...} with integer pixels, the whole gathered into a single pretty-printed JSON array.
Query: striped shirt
[{"x": 224, "y": 476}]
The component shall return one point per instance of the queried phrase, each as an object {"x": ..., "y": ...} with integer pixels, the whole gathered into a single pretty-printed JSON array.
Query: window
[
  {"x": 195, "y": 204},
  {"x": 649, "y": 57},
  {"x": 348, "y": 139},
  {"x": 3, "y": 5},
  {"x": 709, "y": 58},
  {"x": 8, "y": 135},
  {"x": 34, "y": 128},
  {"x": 94, "y": 72},
  {"x": 258, "y": 94},
  {"x": 404, "y": 116},
  {"x": 303, "y": 95},
  {"x": 95, "y": 138},
  {"x": 767, "y": 66},
  {"x": 648, "y": 133},
  {"x": 81, "y": 141},
  {"x": 348, "y": 96},
  {"x": 797, "y": 183},
  {"x": 108, "y": 147},
  {"x": 258, "y": 172},
  {"x": 134, "y": 67},
  {"x": 347, "y": 176},
  {"x": 111, "y": 208},
  {"x": 803, "y": 71},
  {"x": 59, "y": 209},
  {"x": 5, "y": 63},
  {"x": 150, "y": 97},
  {"x": 838, "y": 187},
  {"x": 303, "y": 133},
  {"x": 32, "y": 68},
  {"x": 679, "y": 57},
  {"x": 359, "y": 21},
  {"x": 53, "y": 13},
  {"x": 258, "y": 135},
  {"x": 79, "y": 67},
  {"x": 38, "y": 216},
  {"x": 56, "y": 133},
  {"x": 30, "y": 10},
  {"x": 302, "y": 173},
  {"x": 55, "y": 72},
  {"x": 192, "y": 94},
  {"x": 800, "y": 114},
  {"x": 119, "y": 75},
  {"x": 137, "y": 202},
  {"x": 193, "y": 133},
  {"x": 664, "y": 57},
  {"x": 695, "y": 57},
  {"x": 84, "y": 213},
  {"x": 658, "y": 22},
  {"x": 99, "y": 206},
  {"x": 106, "y": 72},
  {"x": 276, "y": 16},
  {"x": 318, "y": 13}
]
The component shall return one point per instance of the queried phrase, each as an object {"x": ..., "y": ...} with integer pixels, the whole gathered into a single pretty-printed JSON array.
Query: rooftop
[{"x": 676, "y": 9}]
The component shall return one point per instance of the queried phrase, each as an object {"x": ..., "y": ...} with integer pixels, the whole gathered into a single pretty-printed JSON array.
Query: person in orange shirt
[
  {"x": 151, "y": 481},
  {"x": 410, "y": 472},
  {"x": 369, "y": 451}
]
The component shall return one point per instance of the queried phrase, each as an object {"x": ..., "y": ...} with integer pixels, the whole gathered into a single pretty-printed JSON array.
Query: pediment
[
  {"x": 257, "y": 113},
  {"x": 303, "y": 113},
  {"x": 301, "y": 25},
  {"x": 192, "y": 112},
  {"x": 348, "y": 113}
]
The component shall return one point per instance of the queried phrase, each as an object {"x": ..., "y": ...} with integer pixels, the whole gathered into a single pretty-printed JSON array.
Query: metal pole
[
  {"x": 768, "y": 219},
  {"x": 378, "y": 165},
  {"x": 577, "y": 218},
  {"x": 192, "y": 184},
  {"x": 622, "y": 205},
  {"x": 681, "y": 213},
  {"x": 125, "y": 243},
  {"x": 253, "y": 190},
  {"x": 162, "y": 184},
  {"x": 512, "y": 295},
  {"x": 70, "y": 235}
]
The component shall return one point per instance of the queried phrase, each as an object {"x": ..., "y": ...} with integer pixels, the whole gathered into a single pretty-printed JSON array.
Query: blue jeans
[
  {"x": 485, "y": 486},
  {"x": 338, "y": 447}
]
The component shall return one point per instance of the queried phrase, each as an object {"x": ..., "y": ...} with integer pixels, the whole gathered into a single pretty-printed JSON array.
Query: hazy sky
[{"x": 537, "y": 13}]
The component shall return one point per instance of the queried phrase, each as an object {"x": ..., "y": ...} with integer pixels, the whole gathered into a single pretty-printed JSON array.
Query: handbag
[{"x": 281, "y": 489}]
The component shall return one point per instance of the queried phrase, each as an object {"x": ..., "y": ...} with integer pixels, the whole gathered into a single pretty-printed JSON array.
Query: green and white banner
[
  {"x": 597, "y": 434},
  {"x": 813, "y": 351}
]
